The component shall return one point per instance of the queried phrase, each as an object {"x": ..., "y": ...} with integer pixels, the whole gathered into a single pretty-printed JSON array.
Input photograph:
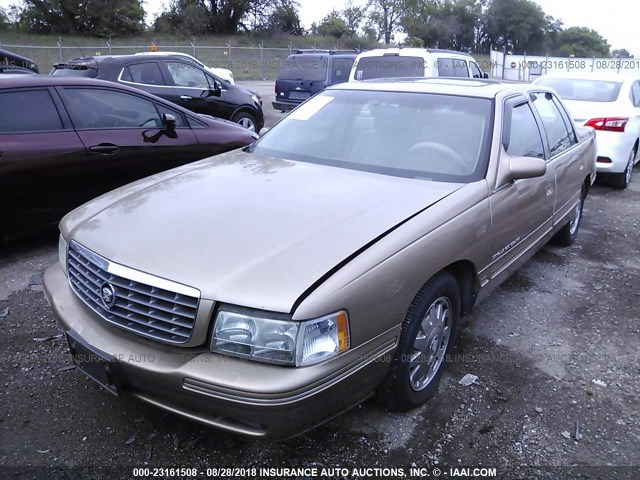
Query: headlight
[
  {"x": 284, "y": 342},
  {"x": 62, "y": 253}
]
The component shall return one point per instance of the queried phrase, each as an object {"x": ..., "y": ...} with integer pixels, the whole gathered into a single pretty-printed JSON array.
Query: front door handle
[
  {"x": 185, "y": 97},
  {"x": 105, "y": 148}
]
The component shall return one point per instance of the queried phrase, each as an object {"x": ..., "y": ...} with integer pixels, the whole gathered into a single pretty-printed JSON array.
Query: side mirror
[
  {"x": 526, "y": 167},
  {"x": 168, "y": 122},
  {"x": 485, "y": 75},
  {"x": 216, "y": 91}
]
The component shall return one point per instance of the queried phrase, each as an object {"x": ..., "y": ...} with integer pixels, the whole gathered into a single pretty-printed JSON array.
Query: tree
[
  {"x": 95, "y": 17},
  {"x": 333, "y": 25},
  {"x": 4, "y": 20},
  {"x": 284, "y": 18},
  {"x": 444, "y": 23},
  {"x": 386, "y": 16},
  {"x": 213, "y": 16},
  {"x": 621, "y": 53},
  {"x": 582, "y": 42},
  {"x": 353, "y": 16},
  {"x": 516, "y": 25}
]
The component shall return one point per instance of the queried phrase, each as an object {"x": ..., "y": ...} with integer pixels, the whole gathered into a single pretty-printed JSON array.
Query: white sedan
[
  {"x": 223, "y": 73},
  {"x": 610, "y": 104}
]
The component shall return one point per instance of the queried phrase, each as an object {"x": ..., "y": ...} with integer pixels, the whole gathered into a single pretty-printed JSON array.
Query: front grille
[{"x": 148, "y": 310}]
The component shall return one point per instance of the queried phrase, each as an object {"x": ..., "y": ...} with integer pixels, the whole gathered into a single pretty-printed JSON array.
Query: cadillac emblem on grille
[{"x": 108, "y": 295}]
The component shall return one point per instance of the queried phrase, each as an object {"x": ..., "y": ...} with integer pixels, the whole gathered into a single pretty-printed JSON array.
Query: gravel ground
[{"x": 555, "y": 350}]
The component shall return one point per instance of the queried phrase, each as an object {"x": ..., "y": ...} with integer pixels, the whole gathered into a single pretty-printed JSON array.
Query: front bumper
[{"x": 220, "y": 391}]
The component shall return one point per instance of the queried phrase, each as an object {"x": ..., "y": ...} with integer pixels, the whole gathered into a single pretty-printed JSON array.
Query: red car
[{"x": 64, "y": 141}]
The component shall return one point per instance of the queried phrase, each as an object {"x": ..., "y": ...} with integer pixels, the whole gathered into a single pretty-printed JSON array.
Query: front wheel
[
  {"x": 569, "y": 233},
  {"x": 246, "y": 120},
  {"x": 428, "y": 332}
]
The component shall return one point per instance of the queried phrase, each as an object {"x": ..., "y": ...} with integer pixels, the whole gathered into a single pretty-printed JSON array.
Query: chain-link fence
[{"x": 247, "y": 63}]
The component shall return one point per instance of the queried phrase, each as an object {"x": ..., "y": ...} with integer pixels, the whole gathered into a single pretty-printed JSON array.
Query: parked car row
[
  {"x": 286, "y": 282},
  {"x": 308, "y": 72}
]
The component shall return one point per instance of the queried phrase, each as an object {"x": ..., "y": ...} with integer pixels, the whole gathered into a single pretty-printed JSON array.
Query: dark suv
[
  {"x": 15, "y": 62},
  {"x": 173, "y": 79},
  {"x": 308, "y": 72}
]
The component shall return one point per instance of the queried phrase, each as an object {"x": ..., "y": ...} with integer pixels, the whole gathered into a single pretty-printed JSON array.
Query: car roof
[
  {"x": 604, "y": 76},
  {"x": 411, "y": 52},
  {"x": 471, "y": 87},
  {"x": 119, "y": 58}
]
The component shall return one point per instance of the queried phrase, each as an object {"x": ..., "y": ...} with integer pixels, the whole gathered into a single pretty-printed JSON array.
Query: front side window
[
  {"x": 525, "y": 139},
  {"x": 340, "y": 69},
  {"x": 144, "y": 73},
  {"x": 558, "y": 135},
  {"x": 635, "y": 94},
  {"x": 185, "y": 75},
  {"x": 28, "y": 111},
  {"x": 415, "y": 135},
  {"x": 452, "y": 67},
  {"x": 475, "y": 70},
  {"x": 180, "y": 122},
  {"x": 92, "y": 108}
]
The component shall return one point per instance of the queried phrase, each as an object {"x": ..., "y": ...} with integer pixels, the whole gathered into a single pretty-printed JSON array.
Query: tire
[
  {"x": 622, "y": 180},
  {"x": 245, "y": 120},
  {"x": 568, "y": 234},
  {"x": 413, "y": 378}
]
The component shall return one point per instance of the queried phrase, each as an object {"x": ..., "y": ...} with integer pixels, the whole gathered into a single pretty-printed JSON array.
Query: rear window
[
  {"x": 75, "y": 72},
  {"x": 22, "y": 107},
  {"x": 304, "y": 67},
  {"x": 389, "y": 66},
  {"x": 583, "y": 90}
]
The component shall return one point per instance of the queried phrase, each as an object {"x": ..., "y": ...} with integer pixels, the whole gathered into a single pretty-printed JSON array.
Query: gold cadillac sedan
[{"x": 266, "y": 290}]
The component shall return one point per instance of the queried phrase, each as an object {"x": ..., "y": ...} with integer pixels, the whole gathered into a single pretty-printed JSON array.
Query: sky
[{"x": 615, "y": 20}]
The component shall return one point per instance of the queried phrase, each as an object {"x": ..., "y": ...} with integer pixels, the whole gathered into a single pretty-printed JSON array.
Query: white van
[{"x": 414, "y": 62}]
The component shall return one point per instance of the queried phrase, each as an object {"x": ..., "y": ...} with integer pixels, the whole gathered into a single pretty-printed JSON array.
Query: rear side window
[
  {"x": 452, "y": 67},
  {"x": 389, "y": 66},
  {"x": 635, "y": 94},
  {"x": 92, "y": 108},
  {"x": 525, "y": 139},
  {"x": 28, "y": 111},
  {"x": 557, "y": 133},
  {"x": 144, "y": 73}
]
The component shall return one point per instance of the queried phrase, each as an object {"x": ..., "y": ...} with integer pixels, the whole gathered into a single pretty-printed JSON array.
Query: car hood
[
  {"x": 583, "y": 111},
  {"x": 246, "y": 230}
]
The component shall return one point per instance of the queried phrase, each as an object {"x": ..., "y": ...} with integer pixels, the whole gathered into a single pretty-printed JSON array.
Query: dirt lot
[{"x": 556, "y": 351}]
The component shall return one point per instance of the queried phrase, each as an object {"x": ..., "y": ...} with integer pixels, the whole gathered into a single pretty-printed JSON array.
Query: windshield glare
[
  {"x": 417, "y": 135},
  {"x": 583, "y": 90}
]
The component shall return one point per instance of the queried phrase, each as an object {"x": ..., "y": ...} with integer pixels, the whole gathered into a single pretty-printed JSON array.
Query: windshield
[
  {"x": 389, "y": 66},
  {"x": 416, "y": 135},
  {"x": 75, "y": 72},
  {"x": 583, "y": 90},
  {"x": 304, "y": 67}
]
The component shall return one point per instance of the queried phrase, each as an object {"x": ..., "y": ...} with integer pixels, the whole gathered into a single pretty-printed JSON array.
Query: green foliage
[
  {"x": 354, "y": 17},
  {"x": 444, "y": 24},
  {"x": 516, "y": 25},
  {"x": 621, "y": 53},
  {"x": 333, "y": 25},
  {"x": 284, "y": 18},
  {"x": 95, "y": 17},
  {"x": 582, "y": 42},
  {"x": 385, "y": 17},
  {"x": 4, "y": 20}
]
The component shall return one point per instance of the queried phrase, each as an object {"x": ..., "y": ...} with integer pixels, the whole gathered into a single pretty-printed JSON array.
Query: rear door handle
[
  {"x": 185, "y": 97},
  {"x": 105, "y": 148}
]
